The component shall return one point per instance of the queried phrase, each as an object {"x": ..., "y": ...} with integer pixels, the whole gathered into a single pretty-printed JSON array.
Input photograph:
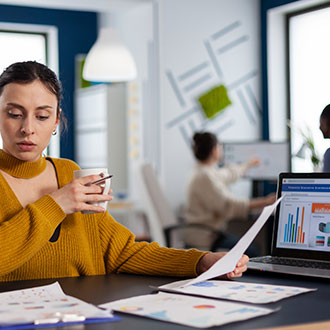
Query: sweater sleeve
[
  {"x": 23, "y": 234},
  {"x": 123, "y": 254},
  {"x": 231, "y": 173},
  {"x": 218, "y": 198}
]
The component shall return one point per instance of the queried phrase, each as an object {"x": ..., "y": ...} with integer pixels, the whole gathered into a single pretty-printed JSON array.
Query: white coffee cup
[{"x": 95, "y": 171}]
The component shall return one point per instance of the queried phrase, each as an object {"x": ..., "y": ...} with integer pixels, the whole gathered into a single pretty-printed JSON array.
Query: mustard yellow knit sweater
[{"x": 88, "y": 244}]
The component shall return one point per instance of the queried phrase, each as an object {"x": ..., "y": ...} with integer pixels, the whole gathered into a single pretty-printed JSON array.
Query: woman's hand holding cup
[{"x": 82, "y": 195}]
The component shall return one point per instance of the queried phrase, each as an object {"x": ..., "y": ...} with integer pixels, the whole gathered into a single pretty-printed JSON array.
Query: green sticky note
[
  {"x": 82, "y": 82},
  {"x": 214, "y": 101}
]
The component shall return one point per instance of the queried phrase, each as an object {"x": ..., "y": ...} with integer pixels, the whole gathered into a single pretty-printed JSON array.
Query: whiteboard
[{"x": 274, "y": 158}]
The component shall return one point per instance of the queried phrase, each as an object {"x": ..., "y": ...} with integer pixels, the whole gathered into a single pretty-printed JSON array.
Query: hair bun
[{"x": 197, "y": 136}]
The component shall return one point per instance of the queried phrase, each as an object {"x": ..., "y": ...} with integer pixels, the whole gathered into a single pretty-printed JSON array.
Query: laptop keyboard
[{"x": 292, "y": 262}]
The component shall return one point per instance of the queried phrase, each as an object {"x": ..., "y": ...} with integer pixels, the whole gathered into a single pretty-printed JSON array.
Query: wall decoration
[
  {"x": 202, "y": 105},
  {"x": 214, "y": 101},
  {"x": 216, "y": 44}
]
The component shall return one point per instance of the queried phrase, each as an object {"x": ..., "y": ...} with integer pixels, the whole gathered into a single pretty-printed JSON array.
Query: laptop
[{"x": 301, "y": 232}]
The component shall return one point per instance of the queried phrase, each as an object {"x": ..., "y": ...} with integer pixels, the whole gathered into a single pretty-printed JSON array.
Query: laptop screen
[{"x": 302, "y": 222}]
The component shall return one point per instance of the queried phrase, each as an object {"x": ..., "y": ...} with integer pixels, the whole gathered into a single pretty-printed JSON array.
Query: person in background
[
  {"x": 43, "y": 233},
  {"x": 325, "y": 129},
  {"x": 208, "y": 197}
]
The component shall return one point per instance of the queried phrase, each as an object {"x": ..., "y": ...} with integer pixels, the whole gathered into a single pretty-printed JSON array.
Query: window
[
  {"x": 22, "y": 46},
  {"x": 21, "y": 42},
  {"x": 309, "y": 72}
]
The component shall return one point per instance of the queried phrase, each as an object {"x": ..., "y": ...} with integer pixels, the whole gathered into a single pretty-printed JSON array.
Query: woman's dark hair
[
  {"x": 29, "y": 71},
  {"x": 203, "y": 144}
]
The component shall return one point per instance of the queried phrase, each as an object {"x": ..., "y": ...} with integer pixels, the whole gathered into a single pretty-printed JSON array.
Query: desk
[{"x": 310, "y": 307}]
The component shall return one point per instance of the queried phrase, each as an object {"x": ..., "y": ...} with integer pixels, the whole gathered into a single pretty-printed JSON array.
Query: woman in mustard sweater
[{"x": 43, "y": 234}]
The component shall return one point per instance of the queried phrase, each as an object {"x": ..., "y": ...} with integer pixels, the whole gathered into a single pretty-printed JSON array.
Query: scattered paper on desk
[
  {"x": 254, "y": 293},
  {"x": 228, "y": 263},
  {"x": 43, "y": 305},
  {"x": 187, "y": 310}
]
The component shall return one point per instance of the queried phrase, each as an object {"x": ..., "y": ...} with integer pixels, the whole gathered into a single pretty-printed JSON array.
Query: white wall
[
  {"x": 168, "y": 41},
  {"x": 190, "y": 33},
  {"x": 136, "y": 27}
]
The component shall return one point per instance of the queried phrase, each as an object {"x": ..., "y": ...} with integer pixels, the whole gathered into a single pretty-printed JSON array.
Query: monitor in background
[{"x": 274, "y": 158}]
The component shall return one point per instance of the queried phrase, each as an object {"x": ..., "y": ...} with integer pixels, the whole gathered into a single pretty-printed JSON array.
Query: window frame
[{"x": 288, "y": 82}]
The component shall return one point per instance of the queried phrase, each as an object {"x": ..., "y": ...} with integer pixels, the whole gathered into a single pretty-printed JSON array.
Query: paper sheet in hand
[{"x": 228, "y": 263}]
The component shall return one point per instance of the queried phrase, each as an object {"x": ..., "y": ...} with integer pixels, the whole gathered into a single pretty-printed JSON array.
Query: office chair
[{"x": 165, "y": 227}]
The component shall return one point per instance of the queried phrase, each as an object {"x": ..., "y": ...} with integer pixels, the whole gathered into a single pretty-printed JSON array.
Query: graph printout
[
  {"x": 304, "y": 220},
  {"x": 187, "y": 310},
  {"x": 43, "y": 305},
  {"x": 254, "y": 293}
]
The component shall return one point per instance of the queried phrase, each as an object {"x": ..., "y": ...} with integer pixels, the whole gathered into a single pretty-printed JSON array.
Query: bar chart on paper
[{"x": 297, "y": 220}]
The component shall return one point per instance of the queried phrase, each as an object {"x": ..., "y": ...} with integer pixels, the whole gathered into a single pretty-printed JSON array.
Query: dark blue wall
[
  {"x": 264, "y": 6},
  {"x": 77, "y": 31}
]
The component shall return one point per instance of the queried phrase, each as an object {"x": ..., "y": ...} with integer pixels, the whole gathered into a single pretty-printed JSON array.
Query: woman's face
[
  {"x": 28, "y": 117},
  {"x": 324, "y": 127}
]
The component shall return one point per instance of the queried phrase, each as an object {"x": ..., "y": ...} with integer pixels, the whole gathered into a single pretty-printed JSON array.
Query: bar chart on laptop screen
[
  {"x": 304, "y": 225},
  {"x": 295, "y": 222},
  {"x": 304, "y": 219},
  {"x": 293, "y": 232}
]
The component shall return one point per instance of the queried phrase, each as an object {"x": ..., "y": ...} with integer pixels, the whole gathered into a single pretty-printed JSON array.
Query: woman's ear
[
  {"x": 214, "y": 153},
  {"x": 58, "y": 117}
]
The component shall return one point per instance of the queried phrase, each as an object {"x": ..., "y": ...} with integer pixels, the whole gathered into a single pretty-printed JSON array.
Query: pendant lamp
[{"x": 109, "y": 60}]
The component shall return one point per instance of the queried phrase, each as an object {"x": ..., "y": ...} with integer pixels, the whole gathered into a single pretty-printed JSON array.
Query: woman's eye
[
  {"x": 14, "y": 115},
  {"x": 42, "y": 117}
]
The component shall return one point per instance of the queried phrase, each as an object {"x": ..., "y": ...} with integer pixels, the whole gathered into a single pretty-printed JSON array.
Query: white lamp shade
[{"x": 109, "y": 60}]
